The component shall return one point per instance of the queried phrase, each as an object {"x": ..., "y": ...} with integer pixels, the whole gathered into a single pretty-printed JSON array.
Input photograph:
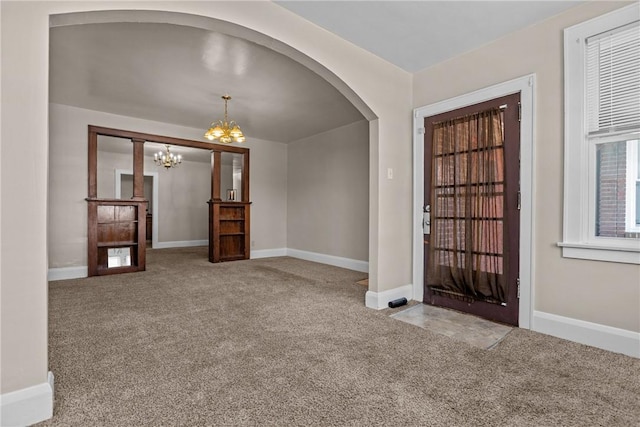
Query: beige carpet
[{"x": 288, "y": 342}]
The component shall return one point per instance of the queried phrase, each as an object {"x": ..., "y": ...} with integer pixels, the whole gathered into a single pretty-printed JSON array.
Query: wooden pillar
[
  {"x": 138, "y": 168},
  {"x": 245, "y": 178},
  {"x": 93, "y": 164},
  {"x": 216, "y": 167}
]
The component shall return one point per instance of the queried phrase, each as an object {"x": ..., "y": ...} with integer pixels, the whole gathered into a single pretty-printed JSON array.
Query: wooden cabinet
[
  {"x": 117, "y": 241},
  {"x": 228, "y": 231}
]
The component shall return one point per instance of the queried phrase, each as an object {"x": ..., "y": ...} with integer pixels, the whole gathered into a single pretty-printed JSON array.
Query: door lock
[{"x": 426, "y": 219}]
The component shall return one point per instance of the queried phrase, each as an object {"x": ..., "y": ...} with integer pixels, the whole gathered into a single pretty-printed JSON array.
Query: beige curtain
[{"x": 466, "y": 253}]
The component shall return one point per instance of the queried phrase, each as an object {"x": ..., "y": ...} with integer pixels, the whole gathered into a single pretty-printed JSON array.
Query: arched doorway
[{"x": 90, "y": 19}]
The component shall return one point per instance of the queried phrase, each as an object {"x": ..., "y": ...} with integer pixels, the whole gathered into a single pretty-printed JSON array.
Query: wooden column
[
  {"x": 245, "y": 178},
  {"x": 138, "y": 168},
  {"x": 216, "y": 176},
  {"x": 93, "y": 164},
  {"x": 214, "y": 227}
]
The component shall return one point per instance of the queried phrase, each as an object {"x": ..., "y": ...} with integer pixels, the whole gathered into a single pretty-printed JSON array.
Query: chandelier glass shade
[
  {"x": 167, "y": 159},
  {"x": 225, "y": 131}
]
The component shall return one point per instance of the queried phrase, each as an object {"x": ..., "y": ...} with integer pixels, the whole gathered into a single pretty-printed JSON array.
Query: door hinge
[
  {"x": 421, "y": 131},
  {"x": 519, "y": 199},
  {"x": 518, "y": 283},
  {"x": 519, "y": 112}
]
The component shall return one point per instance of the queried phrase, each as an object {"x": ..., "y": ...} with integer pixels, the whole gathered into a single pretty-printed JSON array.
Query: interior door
[{"x": 471, "y": 213}]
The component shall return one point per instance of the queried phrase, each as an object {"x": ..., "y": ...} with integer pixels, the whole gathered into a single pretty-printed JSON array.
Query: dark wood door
[{"x": 472, "y": 221}]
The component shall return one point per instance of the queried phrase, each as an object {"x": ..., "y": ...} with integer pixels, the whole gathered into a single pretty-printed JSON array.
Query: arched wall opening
[{"x": 89, "y": 19}]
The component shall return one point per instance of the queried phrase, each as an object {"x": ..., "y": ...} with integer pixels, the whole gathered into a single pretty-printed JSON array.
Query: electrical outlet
[
  {"x": 389, "y": 173},
  {"x": 253, "y": 243}
]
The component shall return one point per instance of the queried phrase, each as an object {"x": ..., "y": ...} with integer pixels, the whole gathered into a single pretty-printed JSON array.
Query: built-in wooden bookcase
[
  {"x": 229, "y": 220},
  {"x": 230, "y": 229},
  {"x": 116, "y": 236}
]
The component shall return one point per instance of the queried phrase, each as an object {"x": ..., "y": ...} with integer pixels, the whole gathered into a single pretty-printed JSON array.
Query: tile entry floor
[{"x": 458, "y": 326}]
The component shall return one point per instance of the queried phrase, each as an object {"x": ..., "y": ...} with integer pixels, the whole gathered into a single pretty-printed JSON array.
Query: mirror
[
  {"x": 113, "y": 154},
  {"x": 231, "y": 171}
]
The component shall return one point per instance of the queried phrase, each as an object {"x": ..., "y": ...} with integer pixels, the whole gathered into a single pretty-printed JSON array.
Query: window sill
[{"x": 599, "y": 252}]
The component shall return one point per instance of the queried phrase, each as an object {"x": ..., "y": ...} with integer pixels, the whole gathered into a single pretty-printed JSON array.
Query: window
[
  {"x": 632, "y": 202},
  {"x": 602, "y": 129},
  {"x": 617, "y": 186}
]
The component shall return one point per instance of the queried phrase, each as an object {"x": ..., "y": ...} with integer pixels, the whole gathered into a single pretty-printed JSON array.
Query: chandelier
[
  {"x": 224, "y": 130},
  {"x": 167, "y": 158}
]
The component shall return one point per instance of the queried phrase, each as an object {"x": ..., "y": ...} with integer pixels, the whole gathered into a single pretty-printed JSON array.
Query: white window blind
[{"x": 613, "y": 80}]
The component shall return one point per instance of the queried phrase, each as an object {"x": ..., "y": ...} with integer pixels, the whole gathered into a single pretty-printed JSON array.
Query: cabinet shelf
[
  {"x": 116, "y": 244},
  {"x": 118, "y": 222}
]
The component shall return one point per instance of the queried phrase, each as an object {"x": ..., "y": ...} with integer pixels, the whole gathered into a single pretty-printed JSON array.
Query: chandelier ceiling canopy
[{"x": 225, "y": 130}]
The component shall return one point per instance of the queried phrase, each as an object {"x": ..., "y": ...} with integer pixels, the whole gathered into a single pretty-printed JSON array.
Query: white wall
[
  {"x": 328, "y": 193},
  {"x": 183, "y": 215},
  {"x": 598, "y": 292},
  {"x": 383, "y": 88}
]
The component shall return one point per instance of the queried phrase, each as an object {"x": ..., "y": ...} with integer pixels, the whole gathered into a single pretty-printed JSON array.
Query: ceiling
[
  {"x": 177, "y": 74},
  {"x": 418, "y": 34}
]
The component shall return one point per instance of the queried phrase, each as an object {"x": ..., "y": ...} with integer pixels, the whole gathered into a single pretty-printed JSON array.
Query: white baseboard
[
  {"x": 181, "y": 244},
  {"x": 65, "y": 273},
  {"x": 380, "y": 300},
  {"x": 351, "y": 264},
  {"x": 29, "y": 405},
  {"x": 268, "y": 253},
  {"x": 593, "y": 334}
]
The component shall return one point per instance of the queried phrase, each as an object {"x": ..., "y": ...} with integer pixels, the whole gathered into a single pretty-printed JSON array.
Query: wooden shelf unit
[
  {"x": 113, "y": 224},
  {"x": 229, "y": 230}
]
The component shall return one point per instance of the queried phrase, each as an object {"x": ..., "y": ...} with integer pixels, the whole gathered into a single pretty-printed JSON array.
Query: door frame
[
  {"x": 526, "y": 86},
  {"x": 154, "y": 218}
]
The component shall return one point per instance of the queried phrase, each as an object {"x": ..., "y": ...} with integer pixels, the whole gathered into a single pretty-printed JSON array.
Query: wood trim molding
[
  {"x": 138, "y": 168},
  {"x": 245, "y": 180},
  {"x": 93, "y": 164},
  {"x": 216, "y": 176},
  {"x": 98, "y": 130}
]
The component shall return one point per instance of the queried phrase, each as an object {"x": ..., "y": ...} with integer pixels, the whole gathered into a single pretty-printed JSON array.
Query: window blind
[{"x": 613, "y": 80}]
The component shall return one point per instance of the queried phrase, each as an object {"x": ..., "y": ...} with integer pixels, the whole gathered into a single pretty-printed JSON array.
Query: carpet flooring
[{"x": 281, "y": 341}]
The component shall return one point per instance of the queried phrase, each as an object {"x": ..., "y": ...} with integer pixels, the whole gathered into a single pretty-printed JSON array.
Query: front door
[{"x": 471, "y": 212}]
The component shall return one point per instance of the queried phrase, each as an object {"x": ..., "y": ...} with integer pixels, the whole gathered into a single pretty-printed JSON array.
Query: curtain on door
[{"x": 466, "y": 256}]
